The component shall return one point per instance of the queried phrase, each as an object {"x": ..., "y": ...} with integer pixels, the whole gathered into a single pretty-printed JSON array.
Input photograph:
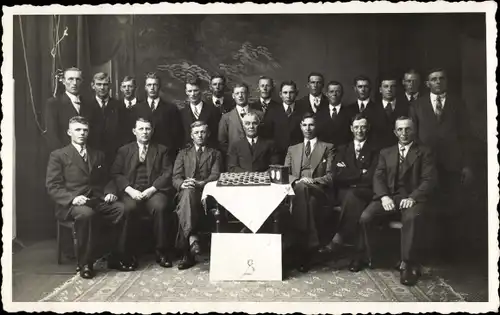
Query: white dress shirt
[
  {"x": 197, "y": 108},
  {"x": 313, "y": 100},
  {"x": 365, "y": 102},
  {"x": 79, "y": 148},
  {"x": 434, "y": 100},
  {"x": 197, "y": 147},
  {"x": 143, "y": 147},
  {"x": 155, "y": 104},
  {"x": 359, "y": 143},
  {"x": 75, "y": 100},
  {"x": 408, "y": 96},
  {"x": 241, "y": 110},
  {"x": 102, "y": 102},
  {"x": 215, "y": 99},
  {"x": 254, "y": 140},
  {"x": 337, "y": 108},
  {"x": 313, "y": 143},
  {"x": 130, "y": 103},
  {"x": 407, "y": 148},
  {"x": 393, "y": 103},
  {"x": 285, "y": 106}
]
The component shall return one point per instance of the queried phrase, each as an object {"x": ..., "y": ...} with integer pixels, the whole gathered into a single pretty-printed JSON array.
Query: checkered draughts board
[{"x": 244, "y": 179}]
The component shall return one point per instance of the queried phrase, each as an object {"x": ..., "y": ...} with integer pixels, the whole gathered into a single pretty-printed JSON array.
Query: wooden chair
[{"x": 70, "y": 225}]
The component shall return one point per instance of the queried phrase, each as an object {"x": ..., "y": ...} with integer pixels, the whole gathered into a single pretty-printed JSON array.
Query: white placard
[{"x": 245, "y": 257}]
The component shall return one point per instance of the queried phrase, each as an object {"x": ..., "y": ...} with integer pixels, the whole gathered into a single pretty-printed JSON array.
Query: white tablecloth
[{"x": 252, "y": 205}]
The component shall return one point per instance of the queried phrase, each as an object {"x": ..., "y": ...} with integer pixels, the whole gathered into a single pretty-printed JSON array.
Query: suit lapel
[
  {"x": 92, "y": 157},
  {"x": 411, "y": 157},
  {"x": 150, "y": 158},
  {"x": 316, "y": 155},
  {"x": 67, "y": 102},
  {"x": 257, "y": 150},
  {"x": 298, "y": 162},
  {"x": 429, "y": 109},
  {"x": 134, "y": 159},
  {"x": 236, "y": 118},
  {"x": 205, "y": 155},
  {"x": 204, "y": 112},
  {"x": 392, "y": 165},
  {"x": 191, "y": 163},
  {"x": 76, "y": 158}
]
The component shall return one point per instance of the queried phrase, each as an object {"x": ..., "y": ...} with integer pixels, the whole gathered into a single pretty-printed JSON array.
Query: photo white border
[{"x": 8, "y": 138}]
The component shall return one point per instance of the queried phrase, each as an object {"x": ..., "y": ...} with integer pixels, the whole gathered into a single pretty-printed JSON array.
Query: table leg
[{"x": 276, "y": 223}]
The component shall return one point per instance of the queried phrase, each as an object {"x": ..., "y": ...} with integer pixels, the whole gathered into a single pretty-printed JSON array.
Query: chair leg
[{"x": 59, "y": 254}]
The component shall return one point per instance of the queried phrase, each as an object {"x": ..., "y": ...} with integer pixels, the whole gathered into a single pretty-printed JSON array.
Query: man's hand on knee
[
  {"x": 407, "y": 203},
  {"x": 110, "y": 198},
  {"x": 80, "y": 200},
  {"x": 387, "y": 203},
  {"x": 306, "y": 180},
  {"x": 133, "y": 193}
]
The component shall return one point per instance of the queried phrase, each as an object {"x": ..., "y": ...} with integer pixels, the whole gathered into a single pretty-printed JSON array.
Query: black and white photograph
[{"x": 250, "y": 157}]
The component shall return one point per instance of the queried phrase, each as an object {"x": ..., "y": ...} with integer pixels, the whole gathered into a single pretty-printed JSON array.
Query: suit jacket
[
  {"x": 351, "y": 175},
  {"x": 168, "y": 125},
  {"x": 420, "y": 177},
  {"x": 307, "y": 106},
  {"x": 322, "y": 157},
  {"x": 448, "y": 138},
  {"x": 242, "y": 159},
  {"x": 227, "y": 105},
  {"x": 58, "y": 111},
  {"x": 69, "y": 177},
  {"x": 383, "y": 124},
  {"x": 284, "y": 130},
  {"x": 336, "y": 131},
  {"x": 158, "y": 166},
  {"x": 105, "y": 130},
  {"x": 127, "y": 122},
  {"x": 231, "y": 129},
  {"x": 208, "y": 114},
  {"x": 264, "y": 130},
  {"x": 185, "y": 165}
]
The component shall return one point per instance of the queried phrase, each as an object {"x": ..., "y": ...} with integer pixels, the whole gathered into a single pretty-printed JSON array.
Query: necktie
[
  {"x": 388, "y": 109},
  {"x": 289, "y": 110},
  {"x": 412, "y": 97},
  {"x": 152, "y": 105},
  {"x": 217, "y": 103},
  {"x": 439, "y": 107},
  {"x": 357, "y": 149},
  {"x": 308, "y": 148},
  {"x": 264, "y": 107},
  {"x": 129, "y": 104},
  {"x": 362, "y": 107},
  {"x": 199, "y": 152},
  {"x": 83, "y": 154},
  {"x": 196, "y": 113},
  {"x": 316, "y": 101},
  {"x": 401, "y": 157},
  {"x": 334, "y": 112},
  {"x": 142, "y": 155},
  {"x": 77, "y": 103},
  {"x": 243, "y": 113}
]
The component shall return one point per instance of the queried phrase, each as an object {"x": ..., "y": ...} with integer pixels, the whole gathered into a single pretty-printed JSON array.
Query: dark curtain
[{"x": 34, "y": 38}]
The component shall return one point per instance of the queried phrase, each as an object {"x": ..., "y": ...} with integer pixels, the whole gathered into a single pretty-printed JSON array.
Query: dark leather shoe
[
  {"x": 134, "y": 262},
  {"x": 195, "y": 248},
  {"x": 357, "y": 265},
  {"x": 164, "y": 261},
  {"x": 401, "y": 265},
  {"x": 78, "y": 268},
  {"x": 409, "y": 275},
  {"x": 87, "y": 272},
  {"x": 187, "y": 261},
  {"x": 304, "y": 267},
  {"x": 121, "y": 265}
]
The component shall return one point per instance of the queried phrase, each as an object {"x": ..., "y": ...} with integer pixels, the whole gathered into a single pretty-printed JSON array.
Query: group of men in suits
[{"x": 159, "y": 158}]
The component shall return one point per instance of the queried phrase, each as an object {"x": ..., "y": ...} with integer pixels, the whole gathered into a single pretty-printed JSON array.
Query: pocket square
[
  {"x": 324, "y": 161},
  {"x": 99, "y": 166}
]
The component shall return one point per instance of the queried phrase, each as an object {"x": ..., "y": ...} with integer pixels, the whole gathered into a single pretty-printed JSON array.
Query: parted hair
[
  {"x": 239, "y": 85},
  {"x": 145, "y": 119},
  {"x": 252, "y": 114},
  {"x": 101, "y": 76},
  {"x": 361, "y": 78},
  {"x": 79, "y": 120},
  {"x": 129, "y": 78},
  {"x": 198, "y": 123},
  {"x": 218, "y": 76},
  {"x": 333, "y": 82},
  {"x": 315, "y": 74},
  {"x": 289, "y": 83},
  {"x": 193, "y": 81},
  {"x": 360, "y": 116},
  {"x": 152, "y": 75},
  {"x": 308, "y": 115}
]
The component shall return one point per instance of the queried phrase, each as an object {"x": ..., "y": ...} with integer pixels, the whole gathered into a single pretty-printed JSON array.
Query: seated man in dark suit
[
  {"x": 403, "y": 181},
  {"x": 76, "y": 181},
  {"x": 311, "y": 163},
  {"x": 252, "y": 153},
  {"x": 143, "y": 175},
  {"x": 194, "y": 167},
  {"x": 355, "y": 164}
]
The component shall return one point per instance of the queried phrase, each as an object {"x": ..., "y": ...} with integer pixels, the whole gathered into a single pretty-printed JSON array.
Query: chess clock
[{"x": 279, "y": 174}]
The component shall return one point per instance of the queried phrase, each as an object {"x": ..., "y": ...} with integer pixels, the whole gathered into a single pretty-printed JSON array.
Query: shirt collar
[
  {"x": 285, "y": 105},
  {"x": 385, "y": 102},
  {"x": 313, "y": 141},
  {"x": 197, "y": 147},
  {"x": 133, "y": 101},
  {"x": 434, "y": 96},
  {"x": 220, "y": 99},
  {"x": 101, "y": 101},
  {"x": 250, "y": 139},
  {"x": 73, "y": 98},
  {"x": 336, "y": 106},
  {"x": 263, "y": 101},
  {"x": 360, "y": 143},
  {"x": 312, "y": 98},
  {"x": 79, "y": 147},
  {"x": 240, "y": 109},
  {"x": 142, "y": 145},
  {"x": 197, "y": 105},
  {"x": 407, "y": 147},
  {"x": 364, "y": 102},
  {"x": 408, "y": 95}
]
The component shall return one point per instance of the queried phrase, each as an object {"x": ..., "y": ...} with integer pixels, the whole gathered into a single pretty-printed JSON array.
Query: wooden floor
[{"x": 36, "y": 273}]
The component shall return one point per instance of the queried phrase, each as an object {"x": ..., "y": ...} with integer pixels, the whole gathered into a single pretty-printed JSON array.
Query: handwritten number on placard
[{"x": 250, "y": 268}]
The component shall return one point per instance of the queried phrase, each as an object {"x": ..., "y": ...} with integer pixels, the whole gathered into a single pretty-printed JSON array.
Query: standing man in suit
[
  {"x": 252, "y": 153},
  {"x": 128, "y": 88},
  {"x": 334, "y": 120},
  {"x": 265, "y": 88},
  {"x": 142, "y": 173},
  {"x": 311, "y": 163},
  {"x": 362, "y": 87},
  {"x": 355, "y": 165},
  {"x": 196, "y": 109},
  {"x": 315, "y": 100},
  {"x": 61, "y": 108},
  {"x": 404, "y": 179},
  {"x": 384, "y": 114},
  {"x": 105, "y": 134},
  {"x": 411, "y": 84},
  {"x": 283, "y": 121},
  {"x": 230, "y": 125},
  {"x": 218, "y": 99},
  {"x": 194, "y": 167},
  {"x": 166, "y": 117},
  {"x": 442, "y": 123},
  {"x": 77, "y": 180}
]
